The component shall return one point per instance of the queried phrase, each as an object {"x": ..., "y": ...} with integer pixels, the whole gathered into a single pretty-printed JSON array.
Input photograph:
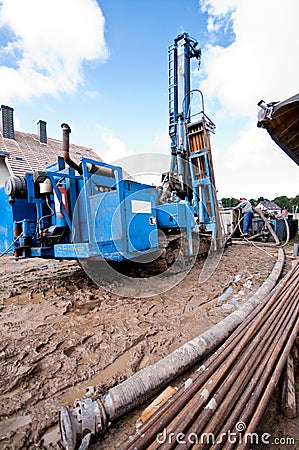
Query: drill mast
[{"x": 191, "y": 172}]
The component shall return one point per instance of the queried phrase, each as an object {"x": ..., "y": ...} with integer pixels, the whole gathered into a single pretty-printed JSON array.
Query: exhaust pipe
[{"x": 66, "y": 130}]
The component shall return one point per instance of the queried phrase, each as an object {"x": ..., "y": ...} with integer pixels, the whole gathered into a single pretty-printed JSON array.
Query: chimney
[
  {"x": 7, "y": 122},
  {"x": 42, "y": 131}
]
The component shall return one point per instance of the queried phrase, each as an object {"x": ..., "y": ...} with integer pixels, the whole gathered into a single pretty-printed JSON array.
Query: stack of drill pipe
[{"x": 229, "y": 392}]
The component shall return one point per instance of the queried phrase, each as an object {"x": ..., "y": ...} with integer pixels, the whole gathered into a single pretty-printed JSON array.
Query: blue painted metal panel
[
  {"x": 9, "y": 214},
  {"x": 177, "y": 215},
  {"x": 22, "y": 209},
  {"x": 71, "y": 251},
  {"x": 79, "y": 218},
  {"x": 105, "y": 217},
  {"x": 86, "y": 251},
  {"x": 42, "y": 252},
  {"x": 110, "y": 224},
  {"x": 174, "y": 215},
  {"x": 141, "y": 220},
  {"x": 109, "y": 217}
]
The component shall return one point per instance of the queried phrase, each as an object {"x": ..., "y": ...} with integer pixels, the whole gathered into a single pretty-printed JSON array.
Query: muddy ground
[{"x": 61, "y": 332}]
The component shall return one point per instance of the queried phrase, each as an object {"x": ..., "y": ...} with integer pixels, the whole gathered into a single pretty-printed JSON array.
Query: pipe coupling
[{"x": 87, "y": 418}]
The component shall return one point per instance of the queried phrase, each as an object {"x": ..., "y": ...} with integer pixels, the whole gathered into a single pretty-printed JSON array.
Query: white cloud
[
  {"x": 218, "y": 7},
  {"x": 162, "y": 143},
  {"x": 142, "y": 167},
  {"x": 263, "y": 60},
  {"x": 260, "y": 63},
  {"x": 219, "y": 13},
  {"x": 114, "y": 148},
  {"x": 50, "y": 41},
  {"x": 254, "y": 166}
]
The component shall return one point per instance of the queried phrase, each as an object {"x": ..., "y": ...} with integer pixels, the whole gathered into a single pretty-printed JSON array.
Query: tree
[
  {"x": 253, "y": 201},
  {"x": 284, "y": 202},
  {"x": 262, "y": 199},
  {"x": 229, "y": 202}
]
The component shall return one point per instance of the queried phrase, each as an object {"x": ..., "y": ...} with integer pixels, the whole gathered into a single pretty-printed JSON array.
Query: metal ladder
[
  {"x": 201, "y": 168},
  {"x": 172, "y": 90}
]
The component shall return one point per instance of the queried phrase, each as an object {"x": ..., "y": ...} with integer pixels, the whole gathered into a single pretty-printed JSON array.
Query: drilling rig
[{"x": 91, "y": 211}]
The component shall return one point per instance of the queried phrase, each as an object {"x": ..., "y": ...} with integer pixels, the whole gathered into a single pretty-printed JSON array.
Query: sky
[{"x": 101, "y": 67}]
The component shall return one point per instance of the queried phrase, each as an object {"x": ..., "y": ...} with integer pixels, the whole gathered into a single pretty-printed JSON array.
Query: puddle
[
  {"x": 225, "y": 295},
  {"x": 13, "y": 423},
  {"x": 144, "y": 362},
  {"x": 52, "y": 436},
  {"x": 79, "y": 390}
]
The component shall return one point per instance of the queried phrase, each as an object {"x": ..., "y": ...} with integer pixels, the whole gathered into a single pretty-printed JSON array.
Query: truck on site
[{"x": 91, "y": 211}]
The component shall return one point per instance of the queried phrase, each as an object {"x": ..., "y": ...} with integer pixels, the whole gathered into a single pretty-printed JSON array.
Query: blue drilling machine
[{"x": 91, "y": 211}]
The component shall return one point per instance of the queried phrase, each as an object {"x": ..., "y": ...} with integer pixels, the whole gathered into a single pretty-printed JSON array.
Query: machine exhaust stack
[{"x": 66, "y": 130}]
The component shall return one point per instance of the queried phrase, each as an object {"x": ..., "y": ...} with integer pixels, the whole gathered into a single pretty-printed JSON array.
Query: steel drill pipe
[
  {"x": 194, "y": 430},
  {"x": 238, "y": 376},
  {"x": 236, "y": 372},
  {"x": 230, "y": 410},
  {"x": 233, "y": 387},
  {"x": 174, "y": 412},
  {"x": 279, "y": 311},
  {"x": 260, "y": 409},
  {"x": 290, "y": 317},
  {"x": 262, "y": 370},
  {"x": 200, "y": 377},
  {"x": 273, "y": 380},
  {"x": 259, "y": 402},
  {"x": 211, "y": 365}
]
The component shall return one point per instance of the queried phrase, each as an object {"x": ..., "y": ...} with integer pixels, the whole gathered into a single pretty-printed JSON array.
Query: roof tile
[{"x": 27, "y": 154}]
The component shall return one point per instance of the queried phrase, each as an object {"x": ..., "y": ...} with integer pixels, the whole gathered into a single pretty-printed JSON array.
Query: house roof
[
  {"x": 281, "y": 120},
  {"x": 25, "y": 153},
  {"x": 269, "y": 205}
]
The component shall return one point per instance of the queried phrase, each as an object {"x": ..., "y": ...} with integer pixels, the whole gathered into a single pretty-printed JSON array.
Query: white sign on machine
[{"x": 141, "y": 207}]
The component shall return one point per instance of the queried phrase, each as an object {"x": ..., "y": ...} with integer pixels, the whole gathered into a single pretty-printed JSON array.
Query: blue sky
[{"x": 101, "y": 66}]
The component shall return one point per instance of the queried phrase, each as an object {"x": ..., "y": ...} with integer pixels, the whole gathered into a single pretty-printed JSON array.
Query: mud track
[{"x": 61, "y": 333}]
